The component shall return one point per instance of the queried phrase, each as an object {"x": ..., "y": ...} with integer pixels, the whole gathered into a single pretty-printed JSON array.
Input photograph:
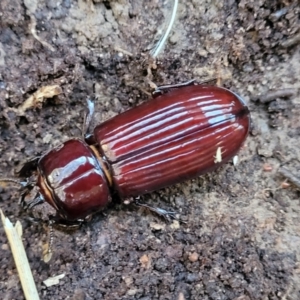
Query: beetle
[{"x": 184, "y": 131}]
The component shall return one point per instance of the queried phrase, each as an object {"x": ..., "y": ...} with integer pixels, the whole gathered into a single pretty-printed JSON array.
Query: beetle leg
[
  {"x": 27, "y": 188},
  {"x": 168, "y": 215},
  {"x": 62, "y": 223},
  {"x": 166, "y": 88},
  {"x": 88, "y": 118},
  {"x": 33, "y": 201}
]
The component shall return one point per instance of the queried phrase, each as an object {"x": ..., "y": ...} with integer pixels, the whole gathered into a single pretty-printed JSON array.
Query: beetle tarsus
[
  {"x": 166, "y": 88},
  {"x": 167, "y": 215},
  {"x": 88, "y": 117}
]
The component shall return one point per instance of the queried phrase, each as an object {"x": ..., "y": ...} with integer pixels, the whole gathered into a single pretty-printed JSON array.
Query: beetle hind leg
[{"x": 167, "y": 215}]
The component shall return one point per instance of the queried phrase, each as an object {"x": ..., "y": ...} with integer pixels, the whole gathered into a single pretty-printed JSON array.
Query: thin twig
[{"x": 17, "y": 248}]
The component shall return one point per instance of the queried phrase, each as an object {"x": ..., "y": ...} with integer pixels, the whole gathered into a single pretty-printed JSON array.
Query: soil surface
[{"x": 240, "y": 237}]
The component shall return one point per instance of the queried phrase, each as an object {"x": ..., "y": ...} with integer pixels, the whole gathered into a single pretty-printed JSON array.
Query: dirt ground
[{"x": 241, "y": 237}]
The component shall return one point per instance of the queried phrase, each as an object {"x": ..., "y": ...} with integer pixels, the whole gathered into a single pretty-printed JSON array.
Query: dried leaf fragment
[
  {"x": 145, "y": 261},
  {"x": 45, "y": 92}
]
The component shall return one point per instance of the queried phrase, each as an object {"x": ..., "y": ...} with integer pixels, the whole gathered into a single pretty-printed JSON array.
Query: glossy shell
[
  {"x": 179, "y": 135},
  {"x": 72, "y": 181}
]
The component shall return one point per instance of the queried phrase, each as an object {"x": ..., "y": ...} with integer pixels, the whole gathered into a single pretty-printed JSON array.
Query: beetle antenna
[
  {"x": 48, "y": 252},
  {"x": 13, "y": 181},
  {"x": 156, "y": 50}
]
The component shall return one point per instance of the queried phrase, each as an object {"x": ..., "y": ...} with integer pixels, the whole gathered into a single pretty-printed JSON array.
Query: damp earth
[{"x": 240, "y": 237}]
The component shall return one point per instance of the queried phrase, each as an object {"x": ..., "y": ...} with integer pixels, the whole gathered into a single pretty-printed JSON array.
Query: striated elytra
[{"x": 180, "y": 134}]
